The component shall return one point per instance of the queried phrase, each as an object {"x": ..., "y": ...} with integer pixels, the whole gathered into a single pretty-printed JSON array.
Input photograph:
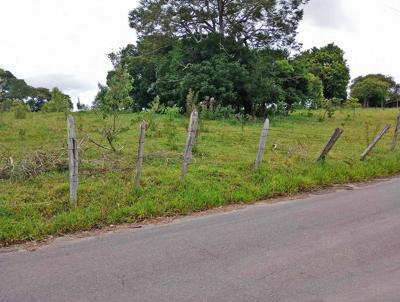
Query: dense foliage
[
  {"x": 258, "y": 23},
  {"x": 236, "y": 55},
  {"x": 14, "y": 90},
  {"x": 329, "y": 65},
  {"x": 375, "y": 90},
  {"x": 256, "y": 79}
]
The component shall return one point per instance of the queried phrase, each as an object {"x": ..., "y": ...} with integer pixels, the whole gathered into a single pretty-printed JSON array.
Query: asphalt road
[{"x": 342, "y": 246}]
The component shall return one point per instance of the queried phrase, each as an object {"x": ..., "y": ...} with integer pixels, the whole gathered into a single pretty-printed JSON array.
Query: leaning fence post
[
  {"x": 375, "y": 141},
  {"x": 328, "y": 147},
  {"x": 139, "y": 161},
  {"x": 73, "y": 160},
  {"x": 189, "y": 143},
  {"x": 261, "y": 146},
  {"x": 396, "y": 134}
]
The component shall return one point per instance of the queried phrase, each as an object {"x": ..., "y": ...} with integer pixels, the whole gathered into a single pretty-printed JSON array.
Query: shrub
[
  {"x": 329, "y": 107},
  {"x": 20, "y": 110},
  {"x": 218, "y": 112}
]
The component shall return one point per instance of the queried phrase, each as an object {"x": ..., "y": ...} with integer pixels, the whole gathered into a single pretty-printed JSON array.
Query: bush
[
  {"x": 149, "y": 116},
  {"x": 218, "y": 112},
  {"x": 329, "y": 107},
  {"x": 20, "y": 110}
]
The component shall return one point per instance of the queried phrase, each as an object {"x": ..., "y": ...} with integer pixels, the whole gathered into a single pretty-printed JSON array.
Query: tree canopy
[
  {"x": 239, "y": 53},
  {"x": 329, "y": 64},
  {"x": 374, "y": 90},
  {"x": 257, "y": 23},
  {"x": 12, "y": 88},
  {"x": 225, "y": 70},
  {"x": 59, "y": 102}
]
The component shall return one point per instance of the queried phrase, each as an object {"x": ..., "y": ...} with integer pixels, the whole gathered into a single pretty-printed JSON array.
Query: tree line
[
  {"x": 230, "y": 55},
  {"x": 16, "y": 93},
  {"x": 241, "y": 55}
]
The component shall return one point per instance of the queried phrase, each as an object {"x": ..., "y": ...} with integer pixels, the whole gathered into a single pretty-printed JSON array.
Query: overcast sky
[{"x": 64, "y": 43}]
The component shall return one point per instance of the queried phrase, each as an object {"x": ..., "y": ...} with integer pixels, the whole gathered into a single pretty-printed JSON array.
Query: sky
[{"x": 64, "y": 43}]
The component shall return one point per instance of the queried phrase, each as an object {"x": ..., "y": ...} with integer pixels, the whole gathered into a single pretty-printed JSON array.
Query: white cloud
[
  {"x": 328, "y": 14},
  {"x": 64, "y": 42},
  {"x": 369, "y": 40},
  {"x": 69, "y": 83}
]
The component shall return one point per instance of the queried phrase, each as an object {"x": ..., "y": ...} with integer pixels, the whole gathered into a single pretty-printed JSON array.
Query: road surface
[{"x": 342, "y": 246}]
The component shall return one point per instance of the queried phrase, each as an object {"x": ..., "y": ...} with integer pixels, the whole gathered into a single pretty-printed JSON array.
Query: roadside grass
[{"x": 32, "y": 208}]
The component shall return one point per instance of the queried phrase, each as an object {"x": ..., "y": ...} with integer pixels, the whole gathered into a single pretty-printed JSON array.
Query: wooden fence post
[
  {"x": 189, "y": 143},
  {"x": 374, "y": 142},
  {"x": 328, "y": 147},
  {"x": 396, "y": 134},
  {"x": 73, "y": 160},
  {"x": 139, "y": 161},
  {"x": 261, "y": 146}
]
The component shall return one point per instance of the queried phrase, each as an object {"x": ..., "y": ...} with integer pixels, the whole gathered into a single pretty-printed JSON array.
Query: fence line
[{"x": 191, "y": 136}]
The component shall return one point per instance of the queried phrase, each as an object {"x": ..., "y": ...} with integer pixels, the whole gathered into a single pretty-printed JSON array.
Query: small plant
[
  {"x": 243, "y": 119},
  {"x": 150, "y": 116},
  {"x": 367, "y": 133},
  {"x": 190, "y": 105},
  {"x": 329, "y": 107},
  {"x": 353, "y": 103},
  {"x": 171, "y": 128},
  {"x": 22, "y": 134}
]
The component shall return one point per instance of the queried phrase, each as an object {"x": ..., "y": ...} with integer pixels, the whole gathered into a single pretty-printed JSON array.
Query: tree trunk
[{"x": 221, "y": 8}]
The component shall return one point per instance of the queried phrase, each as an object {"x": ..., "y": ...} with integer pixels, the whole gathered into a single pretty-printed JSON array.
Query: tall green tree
[
  {"x": 256, "y": 23},
  {"x": 329, "y": 64},
  {"x": 12, "y": 88},
  {"x": 373, "y": 90},
  {"x": 59, "y": 102}
]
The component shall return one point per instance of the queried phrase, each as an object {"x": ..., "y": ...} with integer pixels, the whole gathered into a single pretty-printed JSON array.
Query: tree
[
  {"x": 217, "y": 78},
  {"x": 12, "y": 88},
  {"x": 80, "y": 106},
  {"x": 372, "y": 90},
  {"x": 38, "y": 98},
  {"x": 329, "y": 64},
  {"x": 59, "y": 102},
  {"x": 112, "y": 100},
  {"x": 394, "y": 95},
  {"x": 255, "y": 23}
]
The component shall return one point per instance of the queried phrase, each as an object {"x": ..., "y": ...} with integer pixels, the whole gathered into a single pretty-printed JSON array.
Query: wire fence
[{"x": 238, "y": 142}]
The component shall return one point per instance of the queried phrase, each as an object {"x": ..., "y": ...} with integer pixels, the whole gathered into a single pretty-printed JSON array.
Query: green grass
[{"x": 220, "y": 173}]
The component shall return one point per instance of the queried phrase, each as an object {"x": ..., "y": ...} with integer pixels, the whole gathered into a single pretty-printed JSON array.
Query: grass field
[{"x": 34, "y": 202}]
